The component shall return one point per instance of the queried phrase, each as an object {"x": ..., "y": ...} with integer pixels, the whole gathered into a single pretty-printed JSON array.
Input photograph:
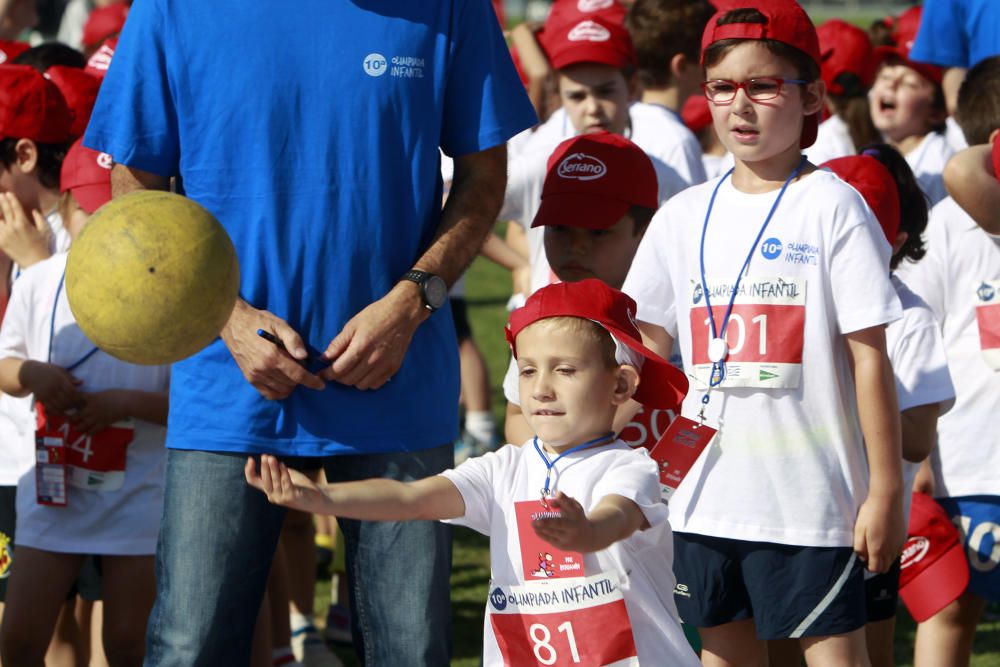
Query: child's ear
[
  {"x": 626, "y": 382},
  {"x": 813, "y": 95},
  {"x": 26, "y": 155},
  {"x": 634, "y": 87},
  {"x": 901, "y": 238}
]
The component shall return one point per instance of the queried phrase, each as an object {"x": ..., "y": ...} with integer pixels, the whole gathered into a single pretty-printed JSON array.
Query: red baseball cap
[
  {"x": 845, "y": 49},
  {"x": 10, "y": 50},
  {"x": 79, "y": 89},
  {"x": 100, "y": 60},
  {"x": 904, "y": 34},
  {"x": 31, "y": 107},
  {"x": 695, "y": 113},
  {"x": 86, "y": 174},
  {"x": 596, "y": 39},
  {"x": 104, "y": 22},
  {"x": 574, "y": 11},
  {"x": 875, "y": 184},
  {"x": 593, "y": 180},
  {"x": 661, "y": 385},
  {"x": 934, "y": 570},
  {"x": 786, "y": 22},
  {"x": 996, "y": 157}
]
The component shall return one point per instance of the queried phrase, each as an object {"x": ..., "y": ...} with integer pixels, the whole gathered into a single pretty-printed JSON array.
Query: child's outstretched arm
[
  {"x": 879, "y": 531},
  {"x": 970, "y": 180},
  {"x": 613, "y": 519},
  {"x": 432, "y": 498}
]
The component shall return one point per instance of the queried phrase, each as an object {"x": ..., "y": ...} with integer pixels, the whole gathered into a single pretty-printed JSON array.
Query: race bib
[
  {"x": 93, "y": 462},
  {"x": 565, "y": 623},
  {"x": 646, "y": 428},
  {"x": 988, "y": 319},
  {"x": 677, "y": 451},
  {"x": 50, "y": 471},
  {"x": 764, "y": 336},
  {"x": 540, "y": 559}
]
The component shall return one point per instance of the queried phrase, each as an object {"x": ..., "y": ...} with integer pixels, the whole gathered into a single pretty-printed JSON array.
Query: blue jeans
[{"x": 217, "y": 539}]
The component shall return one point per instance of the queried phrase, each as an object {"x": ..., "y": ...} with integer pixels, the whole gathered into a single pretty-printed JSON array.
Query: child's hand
[
  {"x": 284, "y": 486},
  {"x": 879, "y": 532},
  {"x": 99, "y": 410},
  {"x": 54, "y": 387},
  {"x": 571, "y": 531},
  {"x": 25, "y": 241}
]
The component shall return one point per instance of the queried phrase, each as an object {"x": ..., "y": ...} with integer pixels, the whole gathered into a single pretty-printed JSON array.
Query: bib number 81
[{"x": 541, "y": 637}]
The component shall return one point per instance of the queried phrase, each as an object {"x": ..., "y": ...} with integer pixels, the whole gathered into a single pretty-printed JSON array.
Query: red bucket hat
[
  {"x": 661, "y": 385},
  {"x": 934, "y": 567},
  {"x": 845, "y": 49},
  {"x": 786, "y": 22},
  {"x": 86, "y": 174},
  {"x": 875, "y": 184},
  {"x": 31, "y": 107},
  {"x": 904, "y": 35},
  {"x": 595, "y": 39},
  {"x": 593, "y": 180}
]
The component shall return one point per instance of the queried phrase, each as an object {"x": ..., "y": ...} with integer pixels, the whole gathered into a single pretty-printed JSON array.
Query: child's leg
[
  {"x": 129, "y": 590},
  {"x": 878, "y": 638},
  {"x": 732, "y": 645},
  {"x": 881, "y": 601},
  {"x": 67, "y": 648},
  {"x": 845, "y": 650},
  {"x": 36, "y": 592},
  {"x": 784, "y": 653},
  {"x": 946, "y": 637}
]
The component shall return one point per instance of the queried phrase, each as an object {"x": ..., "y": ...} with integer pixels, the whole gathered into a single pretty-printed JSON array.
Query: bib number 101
[
  {"x": 545, "y": 652},
  {"x": 737, "y": 322}
]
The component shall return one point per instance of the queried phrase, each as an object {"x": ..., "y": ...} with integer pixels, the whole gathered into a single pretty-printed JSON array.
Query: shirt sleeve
[
  {"x": 942, "y": 39},
  {"x": 485, "y": 103},
  {"x": 475, "y": 479},
  {"x": 929, "y": 278},
  {"x": 634, "y": 476},
  {"x": 921, "y": 368},
  {"x": 863, "y": 295},
  {"x": 649, "y": 281}
]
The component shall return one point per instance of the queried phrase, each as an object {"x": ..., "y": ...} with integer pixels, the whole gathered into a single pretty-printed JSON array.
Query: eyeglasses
[{"x": 761, "y": 89}]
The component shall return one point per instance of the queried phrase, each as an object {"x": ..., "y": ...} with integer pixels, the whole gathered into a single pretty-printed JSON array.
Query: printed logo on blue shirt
[
  {"x": 498, "y": 599},
  {"x": 771, "y": 248},
  {"x": 375, "y": 64},
  {"x": 402, "y": 67}
]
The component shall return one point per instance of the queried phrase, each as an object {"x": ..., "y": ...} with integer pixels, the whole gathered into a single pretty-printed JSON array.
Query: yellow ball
[{"x": 152, "y": 278}]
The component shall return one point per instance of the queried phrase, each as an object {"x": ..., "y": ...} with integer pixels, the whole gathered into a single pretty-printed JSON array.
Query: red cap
[
  {"x": 905, "y": 34},
  {"x": 574, "y": 11},
  {"x": 934, "y": 567},
  {"x": 996, "y": 157},
  {"x": 87, "y": 175},
  {"x": 845, "y": 49},
  {"x": 100, "y": 60},
  {"x": 593, "y": 180},
  {"x": 104, "y": 22},
  {"x": 79, "y": 89},
  {"x": 786, "y": 22},
  {"x": 31, "y": 107},
  {"x": 592, "y": 40},
  {"x": 875, "y": 184},
  {"x": 696, "y": 114},
  {"x": 10, "y": 50},
  {"x": 661, "y": 385}
]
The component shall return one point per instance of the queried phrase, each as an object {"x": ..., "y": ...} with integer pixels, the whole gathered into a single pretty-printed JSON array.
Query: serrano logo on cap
[
  {"x": 593, "y": 5},
  {"x": 588, "y": 31},
  {"x": 105, "y": 161},
  {"x": 582, "y": 167},
  {"x": 914, "y": 551}
]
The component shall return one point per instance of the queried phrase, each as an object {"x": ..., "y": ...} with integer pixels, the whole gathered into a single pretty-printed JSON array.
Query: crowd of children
[{"x": 730, "y": 227}]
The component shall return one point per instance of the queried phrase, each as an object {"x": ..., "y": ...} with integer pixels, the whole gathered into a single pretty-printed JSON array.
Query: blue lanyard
[
  {"x": 549, "y": 465},
  {"x": 52, "y": 330},
  {"x": 717, "y": 346}
]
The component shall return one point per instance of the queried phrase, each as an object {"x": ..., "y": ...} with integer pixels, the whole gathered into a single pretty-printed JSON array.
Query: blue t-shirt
[
  {"x": 311, "y": 131},
  {"x": 958, "y": 33}
]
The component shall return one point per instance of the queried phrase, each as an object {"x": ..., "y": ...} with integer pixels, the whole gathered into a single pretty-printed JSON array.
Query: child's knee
[
  {"x": 21, "y": 648},
  {"x": 124, "y": 641}
]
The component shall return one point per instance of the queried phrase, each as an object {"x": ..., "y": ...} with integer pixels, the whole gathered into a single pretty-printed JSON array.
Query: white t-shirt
[
  {"x": 491, "y": 484},
  {"x": 955, "y": 135},
  {"x": 919, "y": 364},
  {"x": 788, "y": 465},
  {"x": 958, "y": 278},
  {"x": 662, "y": 134},
  {"x": 122, "y": 522},
  {"x": 716, "y": 165},
  {"x": 833, "y": 140},
  {"x": 927, "y": 161}
]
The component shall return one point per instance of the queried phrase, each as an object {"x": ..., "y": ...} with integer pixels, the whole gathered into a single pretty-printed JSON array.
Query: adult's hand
[
  {"x": 370, "y": 348},
  {"x": 23, "y": 239},
  {"x": 272, "y": 371}
]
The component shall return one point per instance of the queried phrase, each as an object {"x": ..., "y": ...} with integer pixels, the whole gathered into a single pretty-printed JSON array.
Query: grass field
[{"x": 488, "y": 287}]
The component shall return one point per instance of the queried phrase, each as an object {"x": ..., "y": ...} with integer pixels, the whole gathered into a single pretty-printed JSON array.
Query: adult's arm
[
  {"x": 271, "y": 371},
  {"x": 370, "y": 348}
]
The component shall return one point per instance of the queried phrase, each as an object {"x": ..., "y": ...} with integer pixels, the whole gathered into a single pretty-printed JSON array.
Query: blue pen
[{"x": 312, "y": 363}]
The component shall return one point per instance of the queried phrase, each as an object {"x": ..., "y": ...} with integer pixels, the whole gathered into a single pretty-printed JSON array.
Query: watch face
[{"x": 435, "y": 291}]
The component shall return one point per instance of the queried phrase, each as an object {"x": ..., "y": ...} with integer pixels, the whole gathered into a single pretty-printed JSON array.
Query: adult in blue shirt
[{"x": 311, "y": 131}]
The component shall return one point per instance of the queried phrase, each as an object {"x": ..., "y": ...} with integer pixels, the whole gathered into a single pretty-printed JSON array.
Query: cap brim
[
  {"x": 91, "y": 197},
  {"x": 937, "y": 586},
  {"x": 932, "y": 73},
  {"x": 661, "y": 384},
  {"x": 584, "y": 53},
  {"x": 573, "y": 209}
]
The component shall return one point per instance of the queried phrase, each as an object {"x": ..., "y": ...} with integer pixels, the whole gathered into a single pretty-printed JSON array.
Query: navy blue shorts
[
  {"x": 978, "y": 521},
  {"x": 882, "y": 594},
  {"x": 788, "y": 591}
]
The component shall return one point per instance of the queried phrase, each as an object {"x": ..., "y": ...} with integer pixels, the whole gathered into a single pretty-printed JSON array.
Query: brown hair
[
  {"x": 50, "y": 159},
  {"x": 805, "y": 67},
  {"x": 978, "y": 112},
  {"x": 661, "y": 29},
  {"x": 856, "y": 114}
]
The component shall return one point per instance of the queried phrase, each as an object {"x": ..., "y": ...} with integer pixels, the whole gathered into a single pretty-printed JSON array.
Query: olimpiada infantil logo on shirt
[
  {"x": 6, "y": 556},
  {"x": 985, "y": 292}
]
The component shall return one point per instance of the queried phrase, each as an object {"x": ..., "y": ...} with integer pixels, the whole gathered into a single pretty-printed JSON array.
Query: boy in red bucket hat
[
  {"x": 773, "y": 281},
  {"x": 568, "y": 515}
]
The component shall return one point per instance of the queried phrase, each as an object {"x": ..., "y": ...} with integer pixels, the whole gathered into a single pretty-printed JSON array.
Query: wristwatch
[{"x": 432, "y": 288}]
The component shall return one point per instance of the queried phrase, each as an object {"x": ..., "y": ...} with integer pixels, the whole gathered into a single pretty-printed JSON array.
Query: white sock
[
  {"x": 480, "y": 425},
  {"x": 299, "y": 621}
]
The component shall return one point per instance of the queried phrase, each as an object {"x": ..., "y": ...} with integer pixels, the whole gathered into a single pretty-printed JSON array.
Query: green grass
[{"x": 488, "y": 288}]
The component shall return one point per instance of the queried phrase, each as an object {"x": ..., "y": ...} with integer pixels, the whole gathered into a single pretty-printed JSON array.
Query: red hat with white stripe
[
  {"x": 86, "y": 174},
  {"x": 100, "y": 60},
  {"x": 592, "y": 40},
  {"x": 934, "y": 566}
]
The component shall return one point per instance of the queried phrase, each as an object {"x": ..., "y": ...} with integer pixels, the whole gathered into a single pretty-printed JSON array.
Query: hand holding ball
[{"x": 152, "y": 278}]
